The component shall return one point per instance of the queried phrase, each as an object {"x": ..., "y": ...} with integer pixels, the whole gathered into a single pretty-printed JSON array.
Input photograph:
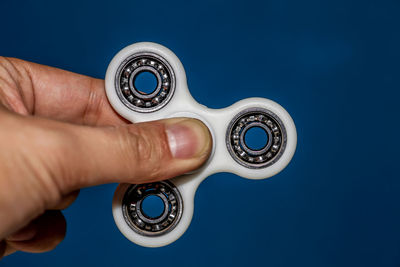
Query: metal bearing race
[
  {"x": 134, "y": 98},
  {"x": 272, "y": 150},
  {"x": 143, "y": 224}
]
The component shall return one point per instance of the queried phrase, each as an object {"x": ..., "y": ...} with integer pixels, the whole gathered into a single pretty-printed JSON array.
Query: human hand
[{"x": 58, "y": 134}]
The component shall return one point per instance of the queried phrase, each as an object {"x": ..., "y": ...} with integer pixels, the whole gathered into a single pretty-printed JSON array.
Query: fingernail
[{"x": 188, "y": 138}]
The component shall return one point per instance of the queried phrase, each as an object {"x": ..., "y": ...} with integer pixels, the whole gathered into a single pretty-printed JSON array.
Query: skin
[{"x": 58, "y": 134}]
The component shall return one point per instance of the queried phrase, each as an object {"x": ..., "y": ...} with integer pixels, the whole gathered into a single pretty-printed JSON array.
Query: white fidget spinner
[{"x": 228, "y": 127}]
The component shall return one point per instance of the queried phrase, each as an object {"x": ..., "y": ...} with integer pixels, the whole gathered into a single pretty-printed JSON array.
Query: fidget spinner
[{"x": 228, "y": 127}]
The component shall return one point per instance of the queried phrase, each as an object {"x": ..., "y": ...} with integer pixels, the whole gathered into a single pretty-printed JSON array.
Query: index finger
[{"x": 62, "y": 95}]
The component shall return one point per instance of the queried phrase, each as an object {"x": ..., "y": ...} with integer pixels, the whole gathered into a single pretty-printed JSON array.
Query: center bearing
[
  {"x": 272, "y": 150},
  {"x": 131, "y": 96},
  {"x": 144, "y": 224}
]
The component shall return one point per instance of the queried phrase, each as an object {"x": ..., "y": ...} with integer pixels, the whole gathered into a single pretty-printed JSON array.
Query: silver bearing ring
[
  {"x": 134, "y": 98},
  {"x": 137, "y": 219},
  {"x": 273, "y": 127}
]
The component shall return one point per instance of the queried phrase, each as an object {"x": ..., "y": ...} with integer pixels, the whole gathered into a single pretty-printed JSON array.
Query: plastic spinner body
[{"x": 228, "y": 126}]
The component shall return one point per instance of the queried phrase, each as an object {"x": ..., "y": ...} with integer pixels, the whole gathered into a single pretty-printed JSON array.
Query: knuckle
[
  {"x": 95, "y": 103},
  {"x": 147, "y": 148}
]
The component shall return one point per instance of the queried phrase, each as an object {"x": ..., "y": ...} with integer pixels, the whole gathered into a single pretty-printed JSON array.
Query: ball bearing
[
  {"x": 144, "y": 224},
  {"x": 270, "y": 152},
  {"x": 131, "y": 96}
]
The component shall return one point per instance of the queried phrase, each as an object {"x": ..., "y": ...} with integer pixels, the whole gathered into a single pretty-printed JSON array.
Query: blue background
[{"x": 334, "y": 65}]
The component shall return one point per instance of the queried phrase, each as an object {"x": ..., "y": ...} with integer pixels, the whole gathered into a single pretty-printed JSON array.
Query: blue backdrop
[{"x": 334, "y": 65}]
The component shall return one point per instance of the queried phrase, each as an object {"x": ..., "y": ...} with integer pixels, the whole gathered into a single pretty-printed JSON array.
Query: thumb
[
  {"x": 136, "y": 153},
  {"x": 43, "y": 160}
]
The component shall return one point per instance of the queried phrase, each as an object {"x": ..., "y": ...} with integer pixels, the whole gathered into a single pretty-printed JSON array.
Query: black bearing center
[
  {"x": 133, "y": 97},
  {"x": 246, "y": 120},
  {"x": 144, "y": 224}
]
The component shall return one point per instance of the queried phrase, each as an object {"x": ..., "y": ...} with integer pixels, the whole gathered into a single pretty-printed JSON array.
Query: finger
[
  {"x": 134, "y": 153},
  {"x": 61, "y": 95},
  {"x": 66, "y": 201},
  {"x": 28, "y": 232},
  {"x": 2, "y": 248},
  {"x": 9, "y": 250},
  {"x": 43, "y": 234},
  {"x": 5, "y": 249}
]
